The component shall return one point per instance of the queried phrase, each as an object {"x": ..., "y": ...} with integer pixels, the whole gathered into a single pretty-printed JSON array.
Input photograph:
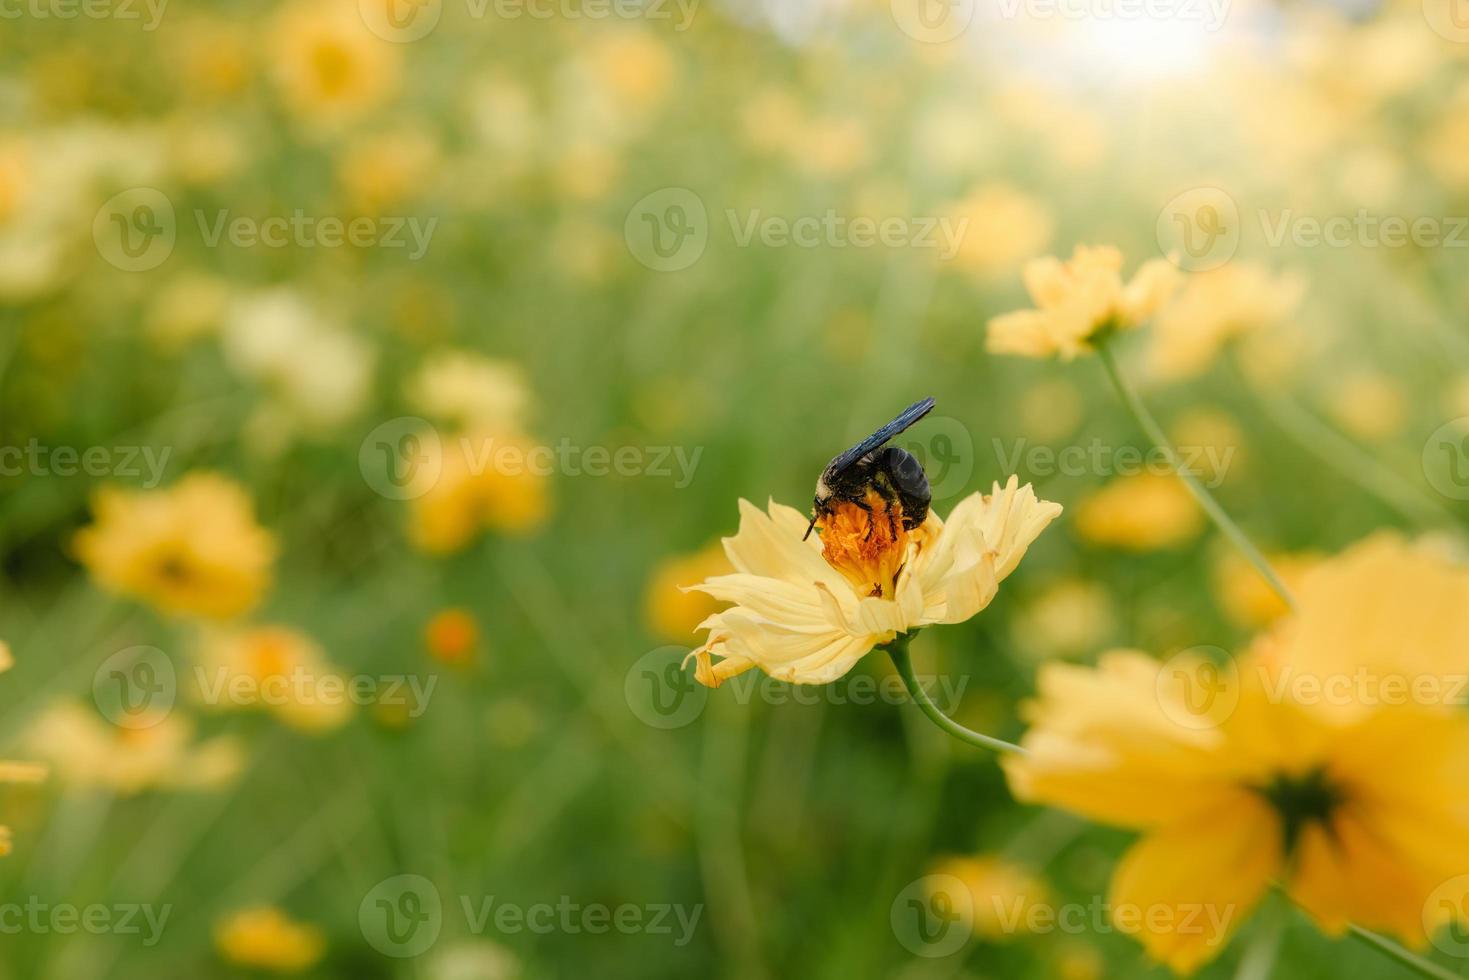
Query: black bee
[{"x": 894, "y": 473}]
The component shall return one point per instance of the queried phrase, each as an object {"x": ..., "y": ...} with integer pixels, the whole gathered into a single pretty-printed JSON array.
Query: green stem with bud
[{"x": 897, "y": 649}]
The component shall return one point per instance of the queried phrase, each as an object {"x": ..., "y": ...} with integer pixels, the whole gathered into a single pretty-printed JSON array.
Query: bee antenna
[{"x": 808, "y": 529}]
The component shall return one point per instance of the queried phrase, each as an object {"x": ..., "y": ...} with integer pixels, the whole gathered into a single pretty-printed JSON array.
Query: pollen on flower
[{"x": 868, "y": 545}]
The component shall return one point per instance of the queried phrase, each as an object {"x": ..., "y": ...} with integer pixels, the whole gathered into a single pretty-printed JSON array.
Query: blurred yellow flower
[
  {"x": 87, "y": 751},
  {"x": 1388, "y": 610},
  {"x": 1143, "y": 512},
  {"x": 451, "y": 636},
  {"x": 1001, "y": 227},
  {"x": 1362, "y": 821},
  {"x": 1079, "y": 300},
  {"x": 273, "y": 668},
  {"x": 672, "y": 611},
  {"x": 14, "y": 772},
  {"x": 1445, "y": 145},
  {"x": 1248, "y": 599},
  {"x": 265, "y": 938},
  {"x": 1370, "y": 405},
  {"x": 1215, "y": 307},
  {"x": 188, "y": 306},
  {"x": 635, "y": 66},
  {"x": 1069, "y": 617},
  {"x": 471, "y": 391},
  {"x": 806, "y": 611},
  {"x": 1003, "y": 894},
  {"x": 328, "y": 66},
  {"x": 192, "y": 549},
  {"x": 1209, "y": 443},
  {"x": 386, "y": 169},
  {"x": 484, "y": 483},
  {"x": 212, "y": 58}
]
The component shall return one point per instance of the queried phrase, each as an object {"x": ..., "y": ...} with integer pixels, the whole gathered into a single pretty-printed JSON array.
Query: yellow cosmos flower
[
  {"x": 328, "y": 65},
  {"x": 191, "y": 549},
  {"x": 484, "y": 483},
  {"x": 1214, "y": 308},
  {"x": 1079, "y": 300},
  {"x": 277, "y": 669},
  {"x": 1369, "y": 405},
  {"x": 806, "y": 611},
  {"x": 1360, "y": 821},
  {"x": 265, "y": 938},
  {"x": 1247, "y": 597},
  {"x": 14, "y": 772},
  {"x": 1002, "y": 227},
  {"x": 1386, "y": 621},
  {"x": 1003, "y": 894},
  {"x": 1143, "y": 512},
  {"x": 672, "y": 612},
  {"x": 87, "y": 751}
]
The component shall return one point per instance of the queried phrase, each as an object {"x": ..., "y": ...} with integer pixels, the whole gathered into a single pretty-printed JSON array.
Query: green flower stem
[
  {"x": 1206, "y": 500},
  {"x": 898, "y": 650},
  {"x": 1406, "y": 957}
]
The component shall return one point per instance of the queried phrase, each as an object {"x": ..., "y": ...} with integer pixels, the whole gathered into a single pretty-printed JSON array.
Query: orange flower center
[{"x": 868, "y": 546}]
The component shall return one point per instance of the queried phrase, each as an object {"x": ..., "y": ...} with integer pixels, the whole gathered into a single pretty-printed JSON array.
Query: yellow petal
[
  {"x": 1102, "y": 745},
  {"x": 1184, "y": 889}
]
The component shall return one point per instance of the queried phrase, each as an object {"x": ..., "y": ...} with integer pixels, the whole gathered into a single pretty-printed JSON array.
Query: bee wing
[{"x": 906, "y": 418}]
